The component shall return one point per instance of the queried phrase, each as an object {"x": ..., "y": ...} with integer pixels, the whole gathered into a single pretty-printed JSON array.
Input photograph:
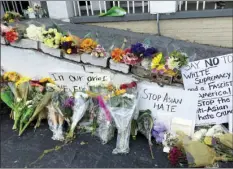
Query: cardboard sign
[
  {"x": 72, "y": 82},
  {"x": 212, "y": 79},
  {"x": 167, "y": 100}
]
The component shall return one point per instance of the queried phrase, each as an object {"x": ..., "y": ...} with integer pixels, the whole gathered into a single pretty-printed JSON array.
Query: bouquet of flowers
[
  {"x": 137, "y": 53},
  {"x": 11, "y": 16},
  {"x": 70, "y": 44},
  {"x": 145, "y": 125},
  {"x": 34, "y": 32},
  {"x": 36, "y": 11},
  {"x": 81, "y": 103},
  {"x": 117, "y": 53},
  {"x": 99, "y": 52},
  {"x": 13, "y": 34},
  {"x": 158, "y": 132},
  {"x": 52, "y": 38},
  {"x": 122, "y": 106}
]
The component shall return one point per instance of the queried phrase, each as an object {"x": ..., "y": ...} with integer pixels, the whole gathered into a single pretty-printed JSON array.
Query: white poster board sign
[
  {"x": 230, "y": 123},
  {"x": 212, "y": 79},
  {"x": 163, "y": 6},
  {"x": 72, "y": 82},
  {"x": 167, "y": 100}
]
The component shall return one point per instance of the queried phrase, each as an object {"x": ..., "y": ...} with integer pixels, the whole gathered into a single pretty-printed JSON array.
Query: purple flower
[
  {"x": 137, "y": 49},
  {"x": 149, "y": 52},
  {"x": 69, "y": 102},
  {"x": 158, "y": 132}
]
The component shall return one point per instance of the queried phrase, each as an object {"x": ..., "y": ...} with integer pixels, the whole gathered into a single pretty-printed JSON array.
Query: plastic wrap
[
  {"x": 106, "y": 129},
  {"x": 80, "y": 106},
  {"x": 122, "y": 116},
  {"x": 55, "y": 122}
]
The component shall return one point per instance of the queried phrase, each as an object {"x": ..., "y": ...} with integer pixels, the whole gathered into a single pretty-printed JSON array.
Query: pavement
[{"x": 20, "y": 152}]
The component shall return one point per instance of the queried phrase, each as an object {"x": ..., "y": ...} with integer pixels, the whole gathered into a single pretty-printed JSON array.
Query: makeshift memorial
[{"x": 11, "y": 16}]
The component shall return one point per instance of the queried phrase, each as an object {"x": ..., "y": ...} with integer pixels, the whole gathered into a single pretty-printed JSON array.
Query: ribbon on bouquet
[{"x": 103, "y": 106}]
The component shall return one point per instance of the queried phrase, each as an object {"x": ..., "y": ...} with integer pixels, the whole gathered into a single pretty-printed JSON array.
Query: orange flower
[
  {"x": 88, "y": 44},
  {"x": 117, "y": 55}
]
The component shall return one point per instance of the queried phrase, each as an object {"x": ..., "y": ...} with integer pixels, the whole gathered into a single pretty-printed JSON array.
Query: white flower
[
  {"x": 172, "y": 64},
  {"x": 35, "y": 33},
  {"x": 28, "y": 102},
  {"x": 210, "y": 132},
  {"x": 146, "y": 63},
  {"x": 198, "y": 135}
]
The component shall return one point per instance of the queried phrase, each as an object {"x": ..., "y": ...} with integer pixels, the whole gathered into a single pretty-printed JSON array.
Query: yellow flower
[
  {"x": 208, "y": 140},
  {"x": 156, "y": 60},
  {"x": 11, "y": 20},
  {"x": 22, "y": 80},
  {"x": 120, "y": 92},
  {"x": 6, "y": 15},
  {"x": 69, "y": 51},
  {"x": 11, "y": 76},
  {"x": 170, "y": 72},
  {"x": 46, "y": 80},
  {"x": 68, "y": 39}
]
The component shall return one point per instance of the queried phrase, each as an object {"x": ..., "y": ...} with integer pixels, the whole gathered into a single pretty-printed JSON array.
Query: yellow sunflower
[{"x": 22, "y": 80}]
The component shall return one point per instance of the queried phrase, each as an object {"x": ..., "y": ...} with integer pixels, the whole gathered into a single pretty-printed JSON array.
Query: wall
[
  {"x": 210, "y": 31},
  {"x": 36, "y": 64}
]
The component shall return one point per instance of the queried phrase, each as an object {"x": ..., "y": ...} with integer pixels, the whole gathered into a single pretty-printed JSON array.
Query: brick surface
[
  {"x": 51, "y": 51},
  {"x": 87, "y": 58},
  {"x": 73, "y": 57},
  {"x": 26, "y": 43},
  {"x": 121, "y": 67}
]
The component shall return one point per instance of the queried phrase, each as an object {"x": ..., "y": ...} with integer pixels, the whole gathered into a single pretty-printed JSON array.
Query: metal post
[{"x": 158, "y": 26}]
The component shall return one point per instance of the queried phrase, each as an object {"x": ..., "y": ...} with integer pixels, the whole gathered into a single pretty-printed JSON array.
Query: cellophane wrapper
[
  {"x": 54, "y": 126},
  {"x": 122, "y": 117},
  {"x": 106, "y": 128},
  {"x": 79, "y": 109}
]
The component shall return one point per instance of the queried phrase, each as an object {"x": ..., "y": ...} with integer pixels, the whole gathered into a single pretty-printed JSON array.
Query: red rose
[
  {"x": 11, "y": 36},
  {"x": 123, "y": 86},
  {"x": 134, "y": 84}
]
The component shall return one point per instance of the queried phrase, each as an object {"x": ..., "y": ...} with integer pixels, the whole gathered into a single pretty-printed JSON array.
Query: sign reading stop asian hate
[{"x": 212, "y": 79}]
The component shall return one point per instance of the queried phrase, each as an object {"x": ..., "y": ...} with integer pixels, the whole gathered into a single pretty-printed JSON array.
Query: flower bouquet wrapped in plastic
[
  {"x": 106, "y": 128},
  {"x": 81, "y": 103},
  {"x": 122, "y": 107}
]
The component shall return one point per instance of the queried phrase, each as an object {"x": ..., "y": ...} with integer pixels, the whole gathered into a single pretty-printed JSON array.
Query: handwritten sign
[
  {"x": 230, "y": 123},
  {"x": 72, "y": 82},
  {"x": 168, "y": 100},
  {"x": 212, "y": 79}
]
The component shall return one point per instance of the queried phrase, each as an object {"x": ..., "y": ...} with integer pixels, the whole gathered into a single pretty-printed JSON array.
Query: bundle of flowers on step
[
  {"x": 88, "y": 45},
  {"x": 36, "y": 11},
  {"x": 34, "y": 32},
  {"x": 11, "y": 16},
  {"x": 99, "y": 52},
  {"x": 137, "y": 53},
  {"x": 52, "y": 38},
  {"x": 13, "y": 34},
  {"x": 70, "y": 44},
  {"x": 118, "y": 52},
  {"x": 123, "y": 105}
]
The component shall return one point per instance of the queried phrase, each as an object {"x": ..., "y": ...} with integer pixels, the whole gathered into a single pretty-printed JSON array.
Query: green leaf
[{"x": 114, "y": 11}]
